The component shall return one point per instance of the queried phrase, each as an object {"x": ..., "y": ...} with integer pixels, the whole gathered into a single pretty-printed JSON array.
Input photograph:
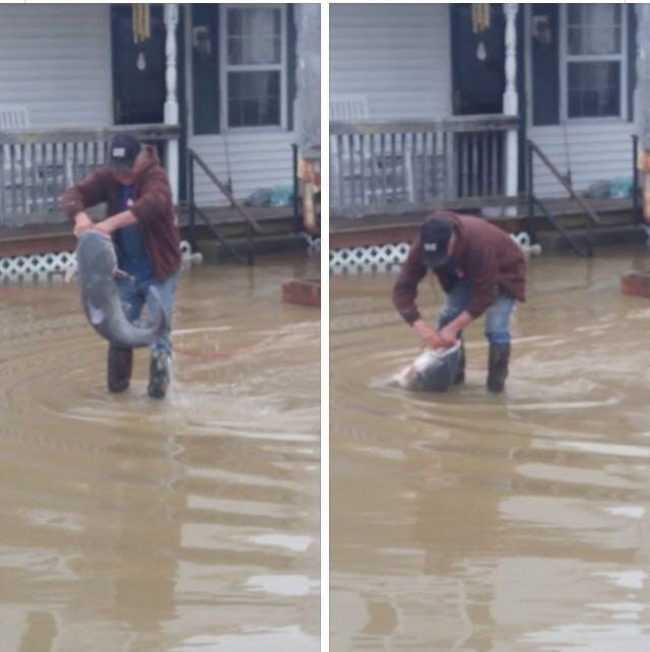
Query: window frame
[
  {"x": 566, "y": 59},
  {"x": 226, "y": 68}
]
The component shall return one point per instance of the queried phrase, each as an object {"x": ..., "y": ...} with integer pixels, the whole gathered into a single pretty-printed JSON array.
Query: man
[
  {"x": 481, "y": 270},
  {"x": 144, "y": 229}
]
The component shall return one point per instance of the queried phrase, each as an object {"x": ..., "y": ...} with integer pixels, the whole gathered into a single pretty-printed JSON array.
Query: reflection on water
[
  {"x": 190, "y": 524},
  {"x": 468, "y": 521}
]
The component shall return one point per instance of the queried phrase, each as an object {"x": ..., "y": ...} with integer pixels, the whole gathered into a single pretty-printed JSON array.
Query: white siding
[
  {"x": 56, "y": 60},
  {"x": 257, "y": 159},
  {"x": 595, "y": 152},
  {"x": 253, "y": 159},
  {"x": 398, "y": 55}
]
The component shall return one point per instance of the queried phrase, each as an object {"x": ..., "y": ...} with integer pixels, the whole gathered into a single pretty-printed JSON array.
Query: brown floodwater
[
  {"x": 130, "y": 525},
  {"x": 473, "y": 522}
]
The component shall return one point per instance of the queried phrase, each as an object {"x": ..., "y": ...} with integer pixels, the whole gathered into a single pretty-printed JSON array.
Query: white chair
[
  {"x": 348, "y": 108},
  {"x": 18, "y": 173},
  {"x": 352, "y": 107},
  {"x": 14, "y": 117}
]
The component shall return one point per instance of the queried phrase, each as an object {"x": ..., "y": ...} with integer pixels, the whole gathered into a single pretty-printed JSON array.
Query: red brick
[
  {"x": 302, "y": 291},
  {"x": 636, "y": 284}
]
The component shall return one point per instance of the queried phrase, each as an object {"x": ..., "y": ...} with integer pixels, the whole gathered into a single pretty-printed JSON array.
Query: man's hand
[
  {"x": 81, "y": 224},
  {"x": 430, "y": 338},
  {"x": 449, "y": 335},
  {"x": 105, "y": 226}
]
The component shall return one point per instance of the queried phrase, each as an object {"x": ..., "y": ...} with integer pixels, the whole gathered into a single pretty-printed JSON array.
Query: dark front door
[
  {"x": 478, "y": 59},
  {"x": 139, "y": 87},
  {"x": 138, "y": 68}
]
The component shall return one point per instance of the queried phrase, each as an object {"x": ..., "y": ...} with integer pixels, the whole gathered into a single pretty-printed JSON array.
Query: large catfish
[
  {"x": 432, "y": 371},
  {"x": 97, "y": 273}
]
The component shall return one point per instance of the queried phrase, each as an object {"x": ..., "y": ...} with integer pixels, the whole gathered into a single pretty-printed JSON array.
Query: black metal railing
[
  {"x": 591, "y": 218},
  {"x": 253, "y": 227},
  {"x": 637, "y": 194}
]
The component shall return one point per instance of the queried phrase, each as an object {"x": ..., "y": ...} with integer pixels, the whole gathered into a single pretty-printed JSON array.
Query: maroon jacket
[
  {"x": 152, "y": 206},
  {"x": 487, "y": 256}
]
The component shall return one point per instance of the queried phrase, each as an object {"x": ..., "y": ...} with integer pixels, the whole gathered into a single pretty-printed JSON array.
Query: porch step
[
  {"x": 214, "y": 252},
  {"x": 622, "y": 234},
  {"x": 278, "y": 224},
  {"x": 36, "y": 240},
  {"x": 392, "y": 228}
]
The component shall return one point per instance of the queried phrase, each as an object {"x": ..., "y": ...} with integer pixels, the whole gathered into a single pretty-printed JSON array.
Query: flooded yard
[
  {"x": 494, "y": 523},
  {"x": 130, "y": 525}
]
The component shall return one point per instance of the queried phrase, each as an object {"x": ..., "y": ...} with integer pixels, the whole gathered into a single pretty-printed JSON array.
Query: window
[
  {"x": 594, "y": 60},
  {"x": 254, "y": 52}
]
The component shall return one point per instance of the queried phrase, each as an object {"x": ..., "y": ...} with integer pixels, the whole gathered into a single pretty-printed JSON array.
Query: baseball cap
[
  {"x": 434, "y": 237},
  {"x": 123, "y": 151}
]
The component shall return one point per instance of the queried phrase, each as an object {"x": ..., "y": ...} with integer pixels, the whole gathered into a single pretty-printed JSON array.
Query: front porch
[
  {"x": 38, "y": 165},
  {"x": 400, "y": 226},
  {"x": 382, "y": 167},
  {"x": 179, "y": 84}
]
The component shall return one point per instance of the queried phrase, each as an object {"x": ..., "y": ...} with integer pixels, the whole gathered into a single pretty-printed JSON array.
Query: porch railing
[
  {"x": 37, "y": 166},
  {"x": 193, "y": 159},
  {"x": 381, "y": 163},
  {"x": 591, "y": 218}
]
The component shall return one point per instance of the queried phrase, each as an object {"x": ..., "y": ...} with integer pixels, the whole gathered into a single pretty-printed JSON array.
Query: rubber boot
[
  {"x": 120, "y": 365},
  {"x": 498, "y": 360},
  {"x": 159, "y": 374},
  {"x": 459, "y": 378}
]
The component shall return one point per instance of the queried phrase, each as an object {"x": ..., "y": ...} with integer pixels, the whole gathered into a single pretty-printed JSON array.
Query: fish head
[{"x": 96, "y": 251}]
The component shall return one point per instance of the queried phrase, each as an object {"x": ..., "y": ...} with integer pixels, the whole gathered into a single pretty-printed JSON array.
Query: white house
[
  {"x": 565, "y": 72},
  {"x": 225, "y": 74}
]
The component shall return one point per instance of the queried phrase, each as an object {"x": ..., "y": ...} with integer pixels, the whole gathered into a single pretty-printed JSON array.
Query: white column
[
  {"x": 641, "y": 105},
  {"x": 510, "y": 97},
  {"x": 171, "y": 112},
  {"x": 642, "y": 89}
]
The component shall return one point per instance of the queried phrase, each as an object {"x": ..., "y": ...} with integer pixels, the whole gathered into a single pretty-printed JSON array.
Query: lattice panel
[
  {"x": 385, "y": 258},
  {"x": 313, "y": 242},
  {"x": 372, "y": 259},
  {"x": 36, "y": 267},
  {"x": 45, "y": 267}
]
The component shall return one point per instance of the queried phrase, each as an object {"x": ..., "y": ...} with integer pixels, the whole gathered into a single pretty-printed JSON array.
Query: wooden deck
[
  {"x": 57, "y": 237},
  {"x": 400, "y": 224}
]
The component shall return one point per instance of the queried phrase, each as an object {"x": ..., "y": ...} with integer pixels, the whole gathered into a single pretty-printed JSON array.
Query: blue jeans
[
  {"x": 134, "y": 296},
  {"x": 497, "y": 316}
]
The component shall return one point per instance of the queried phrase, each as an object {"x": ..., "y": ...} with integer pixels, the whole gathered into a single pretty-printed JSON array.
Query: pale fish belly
[{"x": 433, "y": 370}]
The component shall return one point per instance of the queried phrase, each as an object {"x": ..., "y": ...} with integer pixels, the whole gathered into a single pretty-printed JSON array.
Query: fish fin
[
  {"x": 70, "y": 273},
  {"x": 120, "y": 274}
]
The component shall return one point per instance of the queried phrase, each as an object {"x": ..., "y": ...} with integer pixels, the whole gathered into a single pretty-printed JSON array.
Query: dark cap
[
  {"x": 434, "y": 236},
  {"x": 123, "y": 151}
]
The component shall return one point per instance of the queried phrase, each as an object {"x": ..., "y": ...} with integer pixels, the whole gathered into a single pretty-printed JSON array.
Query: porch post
[
  {"x": 511, "y": 99},
  {"x": 642, "y": 90},
  {"x": 171, "y": 114}
]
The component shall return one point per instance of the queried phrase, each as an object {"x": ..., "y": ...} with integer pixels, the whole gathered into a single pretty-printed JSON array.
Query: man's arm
[
  {"x": 87, "y": 193},
  {"x": 155, "y": 199},
  {"x": 405, "y": 290},
  {"x": 76, "y": 199},
  {"x": 482, "y": 272},
  {"x": 405, "y": 293},
  {"x": 449, "y": 333},
  {"x": 115, "y": 222}
]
